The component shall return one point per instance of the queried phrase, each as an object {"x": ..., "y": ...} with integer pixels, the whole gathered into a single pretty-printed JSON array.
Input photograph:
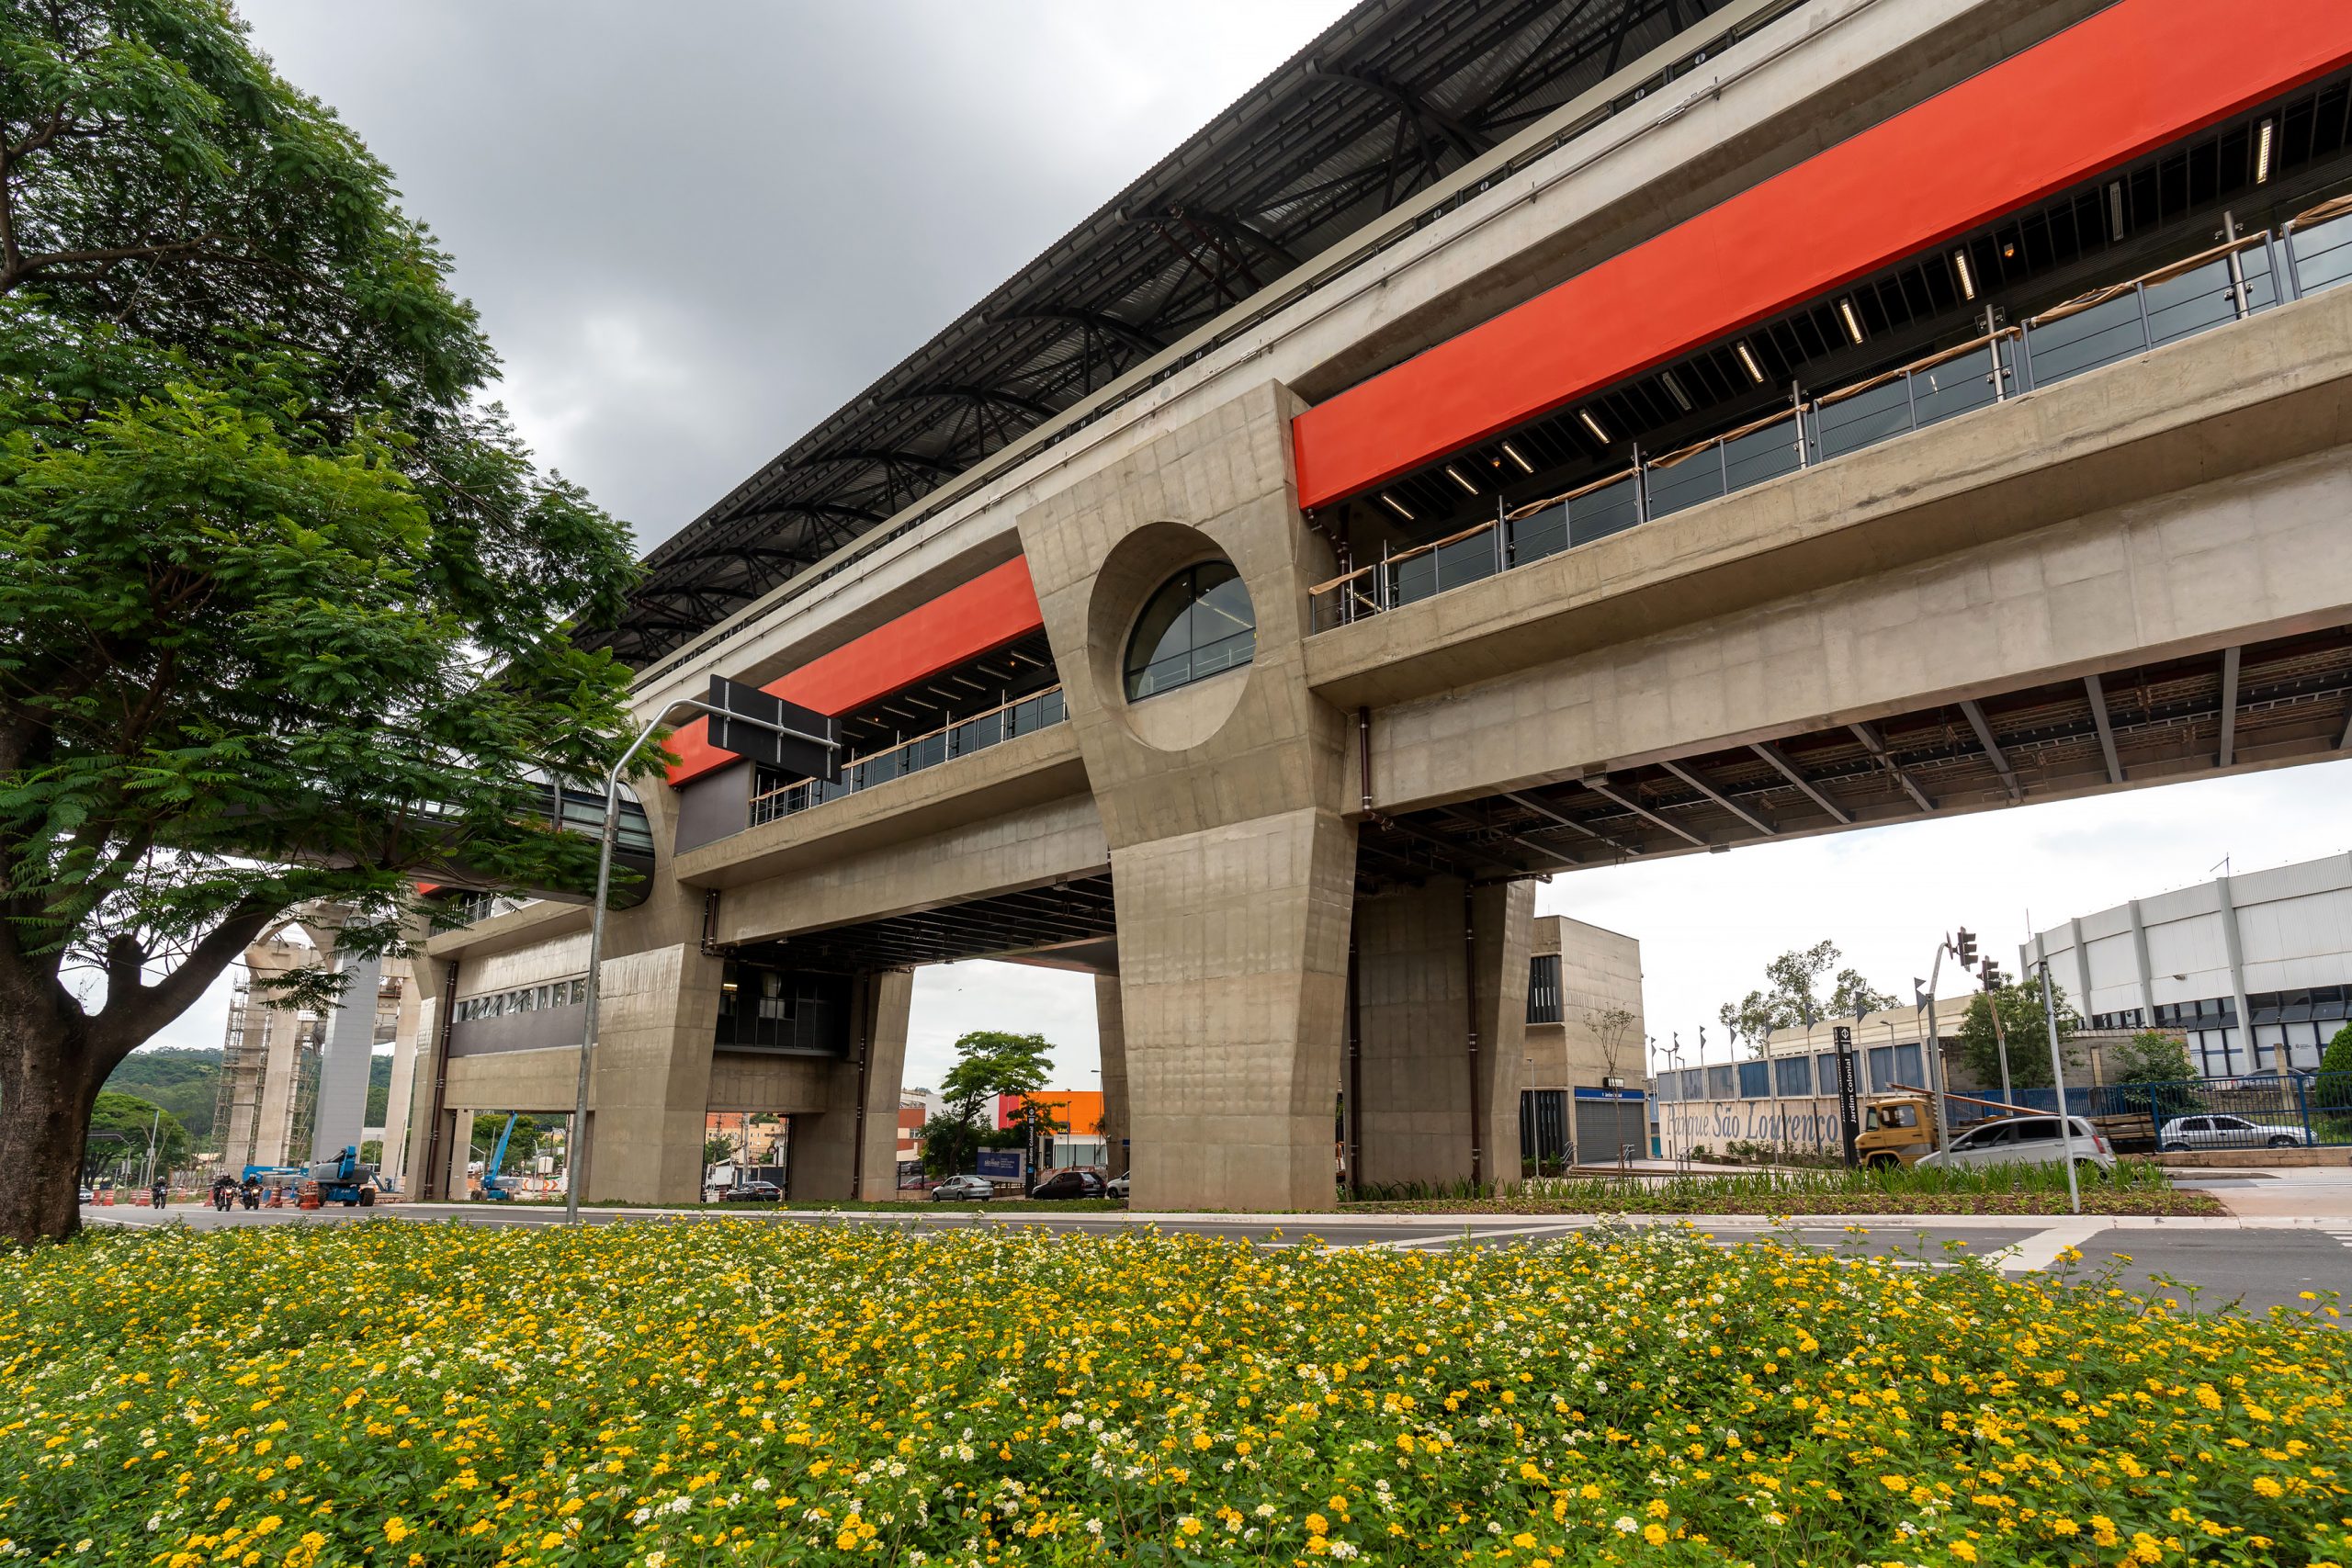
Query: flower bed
[{"x": 669, "y": 1395}]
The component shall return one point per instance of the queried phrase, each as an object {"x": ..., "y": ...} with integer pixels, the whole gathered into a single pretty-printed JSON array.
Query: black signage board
[
  {"x": 743, "y": 725},
  {"x": 1849, "y": 1113}
]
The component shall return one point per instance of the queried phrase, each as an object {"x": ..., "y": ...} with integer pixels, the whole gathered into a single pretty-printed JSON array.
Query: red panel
[
  {"x": 2139, "y": 75},
  {"x": 960, "y": 625}
]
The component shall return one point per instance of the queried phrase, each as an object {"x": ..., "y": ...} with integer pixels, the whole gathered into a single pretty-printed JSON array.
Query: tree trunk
[{"x": 46, "y": 1093}]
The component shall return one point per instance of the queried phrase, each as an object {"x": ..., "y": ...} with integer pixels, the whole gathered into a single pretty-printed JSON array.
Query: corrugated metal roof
[{"x": 1392, "y": 99}]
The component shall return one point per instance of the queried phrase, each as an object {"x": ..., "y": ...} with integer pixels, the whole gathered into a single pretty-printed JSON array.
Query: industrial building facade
[
  {"x": 2269, "y": 948},
  {"x": 1514, "y": 438}
]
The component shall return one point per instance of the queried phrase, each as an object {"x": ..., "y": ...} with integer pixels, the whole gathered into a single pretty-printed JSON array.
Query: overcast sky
[{"x": 694, "y": 232}]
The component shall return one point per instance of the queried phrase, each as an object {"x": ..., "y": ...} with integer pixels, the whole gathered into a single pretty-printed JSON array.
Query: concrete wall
[{"x": 1600, "y": 970}]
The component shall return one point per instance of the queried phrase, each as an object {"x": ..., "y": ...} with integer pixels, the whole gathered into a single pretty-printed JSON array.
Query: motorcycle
[
  {"x": 224, "y": 1198},
  {"x": 253, "y": 1194}
]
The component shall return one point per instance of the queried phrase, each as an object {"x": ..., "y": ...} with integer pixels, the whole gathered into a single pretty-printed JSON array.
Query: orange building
[{"x": 1079, "y": 1112}]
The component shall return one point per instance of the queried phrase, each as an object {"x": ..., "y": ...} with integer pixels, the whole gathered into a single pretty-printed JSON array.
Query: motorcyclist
[
  {"x": 224, "y": 1192},
  {"x": 160, "y": 1192},
  {"x": 252, "y": 1191}
]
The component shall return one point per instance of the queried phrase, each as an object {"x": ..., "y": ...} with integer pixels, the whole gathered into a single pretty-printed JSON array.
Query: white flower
[
  {"x": 1266, "y": 1510},
  {"x": 1094, "y": 1527},
  {"x": 761, "y": 1484},
  {"x": 1626, "y": 1524},
  {"x": 1342, "y": 1550},
  {"x": 655, "y": 1559}
]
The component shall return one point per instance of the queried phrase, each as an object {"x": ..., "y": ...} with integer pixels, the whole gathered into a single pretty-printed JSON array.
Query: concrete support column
[
  {"x": 2233, "y": 943},
  {"x": 346, "y": 1058},
  {"x": 2140, "y": 961},
  {"x": 649, "y": 1089},
  {"x": 1110, "y": 1025},
  {"x": 1233, "y": 959},
  {"x": 401, "y": 1092},
  {"x": 828, "y": 1158},
  {"x": 1434, "y": 967}
]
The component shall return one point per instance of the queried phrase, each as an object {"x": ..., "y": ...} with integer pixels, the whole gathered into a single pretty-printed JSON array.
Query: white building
[{"x": 2272, "y": 946}]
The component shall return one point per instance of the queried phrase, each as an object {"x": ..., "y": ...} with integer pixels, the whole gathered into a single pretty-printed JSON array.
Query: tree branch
[{"x": 134, "y": 1013}]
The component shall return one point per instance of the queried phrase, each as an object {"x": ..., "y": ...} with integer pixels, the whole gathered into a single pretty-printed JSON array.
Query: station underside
[{"x": 2265, "y": 704}]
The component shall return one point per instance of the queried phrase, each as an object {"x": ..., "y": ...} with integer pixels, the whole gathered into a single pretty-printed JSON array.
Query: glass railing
[
  {"x": 2246, "y": 276},
  {"x": 1021, "y": 717}
]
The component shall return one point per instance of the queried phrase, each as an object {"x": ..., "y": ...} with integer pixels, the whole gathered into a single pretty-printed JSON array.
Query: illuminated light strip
[{"x": 2130, "y": 78}]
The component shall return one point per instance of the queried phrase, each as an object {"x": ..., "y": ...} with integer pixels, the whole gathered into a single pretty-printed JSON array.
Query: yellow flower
[
  {"x": 1654, "y": 1534},
  {"x": 396, "y": 1529}
]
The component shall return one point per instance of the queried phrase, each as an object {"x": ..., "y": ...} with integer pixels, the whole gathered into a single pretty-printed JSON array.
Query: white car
[
  {"x": 964, "y": 1190},
  {"x": 2023, "y": 1140},
  {"x": 2217, "y": 1131},
  {"x": 1118, "y": 1187}
]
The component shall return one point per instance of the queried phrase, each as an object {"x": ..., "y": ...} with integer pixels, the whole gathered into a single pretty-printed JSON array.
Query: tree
[
  {"x": 1793, "y": 996},
  {"x": 183, "y": 1081},
  {"x": 2331, "y": 1091},
  {"x": 119, "y": 1128},
  {"x": 988, "y": 1063},
  {"x": 1610, "y": 1027},
  {"x": 2029, "y": 1037},
  {"x": 2151, "y": 1055},
  {"x": 717, "y": 1149},
  {"x": 2159, "y": 1060},
  {"x": 521, "y": 1145},
  {"x": 284, "y": 614}
]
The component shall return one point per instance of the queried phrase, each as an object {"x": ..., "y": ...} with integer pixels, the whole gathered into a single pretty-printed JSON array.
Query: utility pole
[
  {"x": 152, "y": 1129},
  {"x": 2058, "y": 1076}
]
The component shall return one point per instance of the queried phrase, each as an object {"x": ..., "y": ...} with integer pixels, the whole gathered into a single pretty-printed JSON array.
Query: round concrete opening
[{"x": 1171, "y": 634}]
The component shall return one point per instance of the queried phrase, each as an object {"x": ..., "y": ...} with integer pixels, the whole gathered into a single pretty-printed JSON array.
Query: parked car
[
  {"x": 2219, "y": 1131},
  {"x": 1069, "y": 1184},
  {"x": 964, "y": 1190},
  {"x": 2023, "y": 1140},
  {"x": 89, "y": 1196},
  {"x": 1117, "y": 1188},
  {"x": 752, "y": 1192}
]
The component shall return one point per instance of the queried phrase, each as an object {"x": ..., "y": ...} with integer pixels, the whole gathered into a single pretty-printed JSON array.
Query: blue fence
[{"x": 2274, "y": 1111}]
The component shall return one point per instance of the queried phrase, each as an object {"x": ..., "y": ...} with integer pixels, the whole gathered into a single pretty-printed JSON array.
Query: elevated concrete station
[{"x": 1515, "y": 437}]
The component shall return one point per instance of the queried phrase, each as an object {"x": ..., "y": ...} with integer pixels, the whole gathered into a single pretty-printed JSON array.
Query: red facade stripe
[
  {"x": 2116, "y": 85},
  {"x": 967, "y": 621}
]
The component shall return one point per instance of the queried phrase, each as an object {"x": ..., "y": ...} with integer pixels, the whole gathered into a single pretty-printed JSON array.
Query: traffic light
[
  {"x": 1965, "y": 948},
  {"x": 1991, "y": 975}
]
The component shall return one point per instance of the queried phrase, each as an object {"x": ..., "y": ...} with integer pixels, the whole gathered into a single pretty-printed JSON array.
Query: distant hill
[
  {"x": 183, "y": 1081},
  {"x": 187, "y": 1083}
]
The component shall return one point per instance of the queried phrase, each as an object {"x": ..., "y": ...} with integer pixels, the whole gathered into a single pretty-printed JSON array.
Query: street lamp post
[{"x": 579, "y": 1151}]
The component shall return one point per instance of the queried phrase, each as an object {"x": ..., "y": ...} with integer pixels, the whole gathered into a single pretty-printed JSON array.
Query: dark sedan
[
  {"x": 753, "y": 1192},
  {"x": 1071, "y": 1184}
]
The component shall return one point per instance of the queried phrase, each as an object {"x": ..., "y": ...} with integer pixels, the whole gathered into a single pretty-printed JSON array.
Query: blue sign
[
  {"x": 1610, "y": 1094},
  {"x": 1001, "y": 1165}
]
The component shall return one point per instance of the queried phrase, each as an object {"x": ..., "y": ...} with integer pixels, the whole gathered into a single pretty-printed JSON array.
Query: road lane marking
[{"x": 2041, "y": 1250}]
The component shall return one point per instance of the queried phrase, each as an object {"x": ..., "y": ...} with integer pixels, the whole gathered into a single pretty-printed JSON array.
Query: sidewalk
[{"x": 2308, "y": 1194}]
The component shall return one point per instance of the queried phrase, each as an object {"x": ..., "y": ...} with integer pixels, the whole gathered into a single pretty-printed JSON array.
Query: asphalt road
[{"x": 2204, "y": 1265}]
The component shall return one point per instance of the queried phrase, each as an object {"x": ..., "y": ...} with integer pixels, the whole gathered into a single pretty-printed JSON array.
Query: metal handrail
[
  {"x": 898, "y": 746},
  {"x": 2015, "y": 365}
]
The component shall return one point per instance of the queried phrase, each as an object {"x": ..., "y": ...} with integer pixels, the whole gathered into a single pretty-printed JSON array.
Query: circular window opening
[{"x": 1199, "y": 624}]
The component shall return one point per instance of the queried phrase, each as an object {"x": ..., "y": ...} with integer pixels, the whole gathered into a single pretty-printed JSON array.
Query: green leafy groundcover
[
  {"x": 2134, "y": 1187},
  {"x": 663, "y": 1394}
]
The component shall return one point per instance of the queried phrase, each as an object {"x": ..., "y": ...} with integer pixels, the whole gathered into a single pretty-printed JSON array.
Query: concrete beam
[
  {"x": 1600, "y": 787},
  {"x": 1875, "y": 744},
  {"x": 2229, "y": 710},
  {"x": 2097, "y": 695},
  {"x": 1788, "y": 770},
  {"x": 1992, "y": 753},
  {"x": 1537, "y": 806},
  {"x": 1695, "y": 782}
]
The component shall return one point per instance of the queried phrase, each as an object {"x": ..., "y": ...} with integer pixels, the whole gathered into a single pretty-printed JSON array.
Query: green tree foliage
[
  {"x": 2331, "y": 1091},
  {"x": 988, "y": 1063},
  {"x": 519, "y": 1148},
  {"x": 119, "y": 1127},
  {"x": 183, "y": 1081},
  {"x": 285, "y": 613},
  {"x": 379, "y": 1088},
  {"x": 1793, "y": 992},
  {"x": 2151, "y": 1055},
  {"x": 2029, "y": 1037}
]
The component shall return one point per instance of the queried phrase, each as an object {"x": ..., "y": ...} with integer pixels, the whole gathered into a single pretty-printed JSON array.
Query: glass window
[
  {"x": 579, "y": 992},
  {"x": 1794, "y": 1074},
  {"x": 1543, "y": 989},
  {"x": 1882, "y": 1060},
  {"x": 1199, "y": 624},
  {"x": 1755, "y": 1079}
]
